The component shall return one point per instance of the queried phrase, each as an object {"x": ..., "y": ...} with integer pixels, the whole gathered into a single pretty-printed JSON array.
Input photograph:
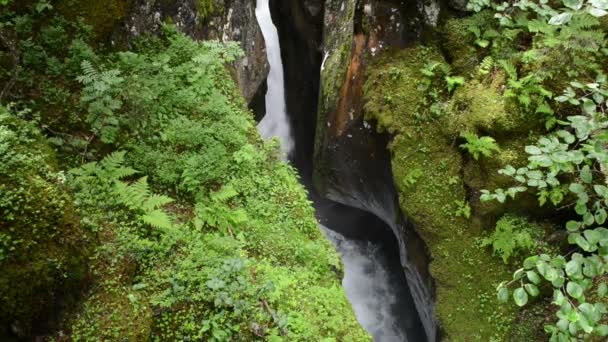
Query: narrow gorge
[
  {"x": 383, "y": 303},
  {"x": 303, "y": 170}
]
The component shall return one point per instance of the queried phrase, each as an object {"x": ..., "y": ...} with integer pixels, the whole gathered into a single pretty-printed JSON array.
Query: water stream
[
  {"x": 374, "y": 281},
  {"x": 275, "y": 123}
]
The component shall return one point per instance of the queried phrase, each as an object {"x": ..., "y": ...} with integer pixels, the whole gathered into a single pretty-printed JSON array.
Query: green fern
[
  {"x": 136, "y": 196},
  {"x": 479, "y": 146},
  {"x": 513, "y": 234}
]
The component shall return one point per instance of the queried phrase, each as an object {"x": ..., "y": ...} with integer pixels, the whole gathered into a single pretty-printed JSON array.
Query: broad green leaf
[
  {"x": 533, "y": 150},
  {"x": 601, "y": 190},
  {"x": 533, "y": 277},
  {"x": 573, "y": 268},
  {"x": 586, "y": 175},
  {"x": 597, "y": 12},
  {"x": 602, "y": 330},
  {"x": 602, "y": 289},
  {"x": 574, "y": 289},
  {"x": 573, "y": 4},
  {"x": 602, "y": 4},
  {"x": 503, "y": 294},
  {"x": 560, "y": 19},
  {"x": 520, "y": 297},
  {"x": 532, "y": 290},
  {"x": 584, "y": 323},
  {"x": 592, "y": 236},
  {"x": 576, "y": 188},
  {"x": 589, "y": 106}
]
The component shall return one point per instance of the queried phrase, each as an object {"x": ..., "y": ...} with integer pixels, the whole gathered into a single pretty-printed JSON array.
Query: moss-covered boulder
[
  {"x": 438, "y": 185},
  {"x": 42, "y": 246}
]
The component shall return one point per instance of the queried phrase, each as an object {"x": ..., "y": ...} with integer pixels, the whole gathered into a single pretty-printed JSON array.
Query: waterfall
[
  {"x": 275, "y": 123},
  {"x": 368, "y": 285}
]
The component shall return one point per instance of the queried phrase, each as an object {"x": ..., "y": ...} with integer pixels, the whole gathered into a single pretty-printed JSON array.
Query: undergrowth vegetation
[{"x": 184, "y": 224}]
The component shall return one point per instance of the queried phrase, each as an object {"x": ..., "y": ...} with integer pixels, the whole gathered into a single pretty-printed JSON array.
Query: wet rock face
[
  {"x": 232, "y": 20},
  {"x": 352, "y": 164},
  {"x": 300, "y": 27}
]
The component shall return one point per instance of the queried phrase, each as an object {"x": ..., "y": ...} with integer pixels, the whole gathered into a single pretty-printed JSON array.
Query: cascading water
[
  {"x": 275, "y": 123},
  {"x": 373, "y": 281}
]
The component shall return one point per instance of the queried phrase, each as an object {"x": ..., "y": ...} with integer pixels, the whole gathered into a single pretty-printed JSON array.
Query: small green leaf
[
  {"x": 572, "y": 226},
  {"x": 573, "y": 268},
  {"x": 573, "y": 4},
  {"x": 533, "y": 150},
  {"x": 574, "y": 289},
  {"x": 586, "y": 175},
  {"x": 533, "y": 277},
  {"x": 503, "y": 294},
  {"x": 600, "y": 216},
  {"x": 602, "y": 330},
  {"x": 577, "y": 188},
  {"x": 532, "y": 289},
  {"x": 560, "y": 19},
  {"x": 602, "y": 289},
  {"x": 520, "y": 297},
  {"x": 589, "y": 106},
  {"x": 530, "y": 262}
]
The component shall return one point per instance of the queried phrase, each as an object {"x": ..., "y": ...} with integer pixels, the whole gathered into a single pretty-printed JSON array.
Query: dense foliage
[
  {"x": 499, "y": 140},
  {"x": 565, "y": 167},
  {"x": 197, "y": 228}
]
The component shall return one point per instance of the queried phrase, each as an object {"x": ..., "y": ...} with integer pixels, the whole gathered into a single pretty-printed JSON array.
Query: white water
[
  {"x": 367, "y": 286},
  {"x": 275, "y": 123}
]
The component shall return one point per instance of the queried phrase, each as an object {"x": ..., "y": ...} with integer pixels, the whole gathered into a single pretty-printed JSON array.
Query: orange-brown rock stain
[{"x": 350, "y": 103}]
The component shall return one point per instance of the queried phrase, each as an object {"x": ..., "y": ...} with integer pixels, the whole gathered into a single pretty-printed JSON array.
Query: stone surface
[{"x": 352, "y": 163}]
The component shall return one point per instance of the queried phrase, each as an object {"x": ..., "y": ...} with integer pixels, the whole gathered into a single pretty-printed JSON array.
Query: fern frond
[
  {"x": 509, "y": 68},
  {"x": 156, "y": 201},
  {"x": 157, "y": 219},
  {"x": 226, "y": 193},
  {"x": 90, "y": 74},
  {"x": 113, "y": 161},
  {"x": 583, "y": 21},
  {"x": 141, "y": 186},
  {"x": 130, "y": 195}
]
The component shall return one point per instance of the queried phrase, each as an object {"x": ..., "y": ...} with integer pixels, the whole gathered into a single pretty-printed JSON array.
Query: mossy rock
[
  {"x": 430, "y": 173},
  {"x": 42, "y": 245},
  {"x": 103, "y": 16},
  {"x": 483, "y": 174},
  {"x": 458, "y": 41},
  {"x": 480, "y": 107}
]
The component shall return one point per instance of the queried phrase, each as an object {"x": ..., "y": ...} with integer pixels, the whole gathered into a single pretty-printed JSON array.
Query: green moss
[
  {"x": 458, "y": 41},
  {"x": 481, "y": 108},
  {"x": 465, "y": 275},
  {"x": 42, "y": 246},
  {"x": 206, "y": 8},
  {"x": 103, "y": 16}
]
